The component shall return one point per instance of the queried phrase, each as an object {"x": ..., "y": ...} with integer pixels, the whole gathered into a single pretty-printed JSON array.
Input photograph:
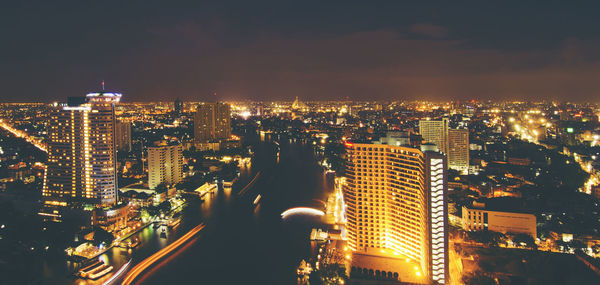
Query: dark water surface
[{"x": 243, "y": 244}]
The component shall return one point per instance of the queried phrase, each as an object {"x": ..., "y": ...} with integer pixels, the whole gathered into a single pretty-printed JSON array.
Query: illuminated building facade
[
  {"x": 123, "y": 136},
  {"x": 212, "y": 122},
  {"x": 396, "y": 201},
  {"x": 458, "y": 150},
  {"x": 81, "y": 166},
  {"x": 299, "y": 105},
  {"x": 165, "y": 165},
  {"x": 435, "y": 132},
  {"x": 482, "y": 218}
]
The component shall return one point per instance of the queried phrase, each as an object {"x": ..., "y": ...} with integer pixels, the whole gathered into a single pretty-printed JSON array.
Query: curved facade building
[
  {"x": 395, "y": 201},
  {"x": 81, "y": 155}
]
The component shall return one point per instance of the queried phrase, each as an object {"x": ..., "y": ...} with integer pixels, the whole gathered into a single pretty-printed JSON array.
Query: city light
[
  {"x": 301, "y": 211},
  {"x": 140, "y": 267},
  {"x": 414, "y": 149}
]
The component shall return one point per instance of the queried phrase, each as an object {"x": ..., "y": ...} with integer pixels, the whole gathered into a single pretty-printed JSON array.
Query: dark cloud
[
  {"x": 429, "y": 30},
  {"x": 153, "y": 51}
]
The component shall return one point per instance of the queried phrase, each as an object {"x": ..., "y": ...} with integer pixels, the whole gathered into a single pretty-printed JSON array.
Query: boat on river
[
  {"x": 257, "y": 199},
  {"x": 132, "y": 243},
  {"x": 174, "y": 222},
  {"x": 95, "y": 270}
]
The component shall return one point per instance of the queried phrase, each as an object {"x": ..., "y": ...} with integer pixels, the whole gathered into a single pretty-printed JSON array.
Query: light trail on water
[
  {"x": 117, "y": 274},
  {"x": 243, "y": 191},
  {"x": 302, "y": 210},
  {"x": 138, "y": 269}
]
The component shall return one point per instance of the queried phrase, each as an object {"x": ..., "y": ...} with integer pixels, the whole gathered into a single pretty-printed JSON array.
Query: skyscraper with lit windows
[
  {"x": 165, "y": 164},
  {"x": 123, "y": 136},
  {"x": 435, "y": 132},
  {"x": 395, "y": 199},
  {"x": 212, "y": 122},
  {"x": 458, "y": 150},
  {"x": 81, "y": 168},
  {"x": 178, "y": 106}
]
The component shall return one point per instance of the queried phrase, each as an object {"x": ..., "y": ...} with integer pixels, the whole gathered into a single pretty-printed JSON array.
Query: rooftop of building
[
  {"x": 105, "y": 93},
  {"x": 134, "y": 194},
  {"x": 110, "y": 210},
  {"x": 501, "y": 204},
  {"x": 396, "y": 138},
  {"x": 161, "y": 143}
]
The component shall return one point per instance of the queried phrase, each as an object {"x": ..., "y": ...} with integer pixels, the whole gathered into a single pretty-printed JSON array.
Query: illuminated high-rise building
[
  {"x": 212, "y": 122},
  {"x": 81, "y": 166},
  {"x": 395, "y": 199},
  {"x": 178, "y": 106},
  {"x": 458, "y": 150},
  {"x": 165, "y": 164},
  {"x": 435, "y": 132},
  {"x": 452, "y": 142},
  {"x": 123, "y": 136}
]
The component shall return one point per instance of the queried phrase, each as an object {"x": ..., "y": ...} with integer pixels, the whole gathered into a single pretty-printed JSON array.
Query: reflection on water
[
  {"x": 242, "y": 238},
  {"x": 251, "y": 244}
]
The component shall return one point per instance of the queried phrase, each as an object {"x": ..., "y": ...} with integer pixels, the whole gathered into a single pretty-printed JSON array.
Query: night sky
[{"x": 388, "y": 50}]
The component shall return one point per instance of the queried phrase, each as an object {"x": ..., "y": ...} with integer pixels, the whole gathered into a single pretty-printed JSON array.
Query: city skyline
[
  {"x": 394, "y": 191},
  {"x": 299, "y": 142}
]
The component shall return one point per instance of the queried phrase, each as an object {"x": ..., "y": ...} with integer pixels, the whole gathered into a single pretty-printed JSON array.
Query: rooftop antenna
[{"x": 102, "y": 85}]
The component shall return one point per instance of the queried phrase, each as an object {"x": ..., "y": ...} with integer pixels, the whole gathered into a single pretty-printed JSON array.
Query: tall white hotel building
[
  {"x": 81, "y": 168},
  {"x": 395, "y": 199}
]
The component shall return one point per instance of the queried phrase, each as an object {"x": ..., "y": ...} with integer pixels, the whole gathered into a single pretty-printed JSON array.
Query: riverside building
[
  {"x": 81, "y": 168},
  {"x": 396, "y": 207},
  {"x": 165, "y": 164}
]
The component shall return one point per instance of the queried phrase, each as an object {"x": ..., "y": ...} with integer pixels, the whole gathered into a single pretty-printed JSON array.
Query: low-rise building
[
  {"x": 495, "y": 217},
  {"x": 522, "y": 161},
  {"x": 137, "y": 199},
  {"x": 111, "y": 219},
  {"x": 19, "y": 171},
  {"x": 218, "y": 145},
  {"x": 596, "y": 192}
]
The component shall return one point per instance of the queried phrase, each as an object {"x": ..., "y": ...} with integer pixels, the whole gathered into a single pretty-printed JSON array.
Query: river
[
  {"x": 247, "y": 245},
  {"x": 242, "y": 243}
]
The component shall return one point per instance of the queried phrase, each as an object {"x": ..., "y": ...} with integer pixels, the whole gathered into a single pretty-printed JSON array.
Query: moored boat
[{"x": 257, "y": 199}]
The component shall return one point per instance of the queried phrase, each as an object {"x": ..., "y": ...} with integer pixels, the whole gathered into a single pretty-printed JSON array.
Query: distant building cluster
[{"x": 406, "y": 170}]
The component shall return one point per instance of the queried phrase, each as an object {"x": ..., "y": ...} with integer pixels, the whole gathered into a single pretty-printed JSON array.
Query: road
[{"x": 21, "y": 134}]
